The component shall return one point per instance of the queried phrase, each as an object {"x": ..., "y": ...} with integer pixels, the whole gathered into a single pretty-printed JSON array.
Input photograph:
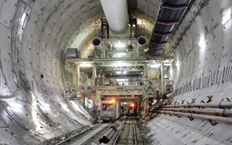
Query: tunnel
[{"x": 162, "y": 67}]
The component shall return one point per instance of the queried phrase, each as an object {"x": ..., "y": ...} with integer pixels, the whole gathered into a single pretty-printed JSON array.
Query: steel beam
[{"x": 138, "y": 59}]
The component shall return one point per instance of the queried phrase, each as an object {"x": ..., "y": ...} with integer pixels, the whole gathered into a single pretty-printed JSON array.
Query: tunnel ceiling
[{"x": 73, "y": 23}]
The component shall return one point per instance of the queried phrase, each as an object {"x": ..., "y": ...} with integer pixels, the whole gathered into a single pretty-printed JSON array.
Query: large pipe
[
  {"x": 97, "y": 43},
  {"x": 142, "y": 41},
  {"x": 116, "y": 13},
  {"x": 216, "y": 119},
  {"x": 108, "y": 135},
  {"x": 219, "y": 105},
  {"x": 222, "y": 112}
]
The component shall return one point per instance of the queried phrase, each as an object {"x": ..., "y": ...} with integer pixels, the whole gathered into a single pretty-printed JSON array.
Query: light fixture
[
  {"x": 155, "y": 65},
  {"x": 86, "y": 65},
  {"x": 121, "y": 64},
  {"x": 226, "y": 18},
  {"x": 118, "y": 72},
  {"x": 119, "y": 45},
  {"x": 124, "y": 72},
  {"x": 112, "y": 100},
  {"x": 121, "y": 54}
]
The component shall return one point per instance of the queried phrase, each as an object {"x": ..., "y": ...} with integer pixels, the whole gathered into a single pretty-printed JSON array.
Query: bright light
[
  {"x": 132, "y": 104},
  {"x": 121, "y": 64},
  {"x": 202, "y": 43},
  {"x": 44, "y": 104},
  {"x": 167, "y": 64},
  {"x": 113, "y": 101},
  {"x": 155, "y": 65},
  {"x": 15, "y": 106},
  {"x": 178, "y": 64},
  {"x": 64, "y": 106},
  {"x": 118, "y": 72},
  {"x": 85, "y": 65},
  {"x": 119, "y": 45},
  {"x": 226, "y": 18},
  {"x": 80, "y": 109},
  {"x": 154, "y": 101},
  {"x": 124, "y": 103},
  {"x": 171, "y": 72},
  {"x": 121, "y": 54}
]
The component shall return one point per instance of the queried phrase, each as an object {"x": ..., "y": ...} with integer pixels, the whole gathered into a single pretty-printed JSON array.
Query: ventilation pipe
[
  {"x": 97, "y": 42},
  {"x": 116, "y": 13},
  {"x": 141, "y": 42}
]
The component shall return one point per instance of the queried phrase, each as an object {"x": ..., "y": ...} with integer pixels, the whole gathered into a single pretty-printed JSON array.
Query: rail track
[
  {"x": 123, "y": 132},
  {"x": 129, "y": 134}
]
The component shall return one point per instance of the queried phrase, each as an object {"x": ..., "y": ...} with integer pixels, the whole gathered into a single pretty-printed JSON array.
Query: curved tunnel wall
[
  {"x": 52, "y": 26},
  {"x": 34, "y": 107},
  {"x": 202, "y": 68}
]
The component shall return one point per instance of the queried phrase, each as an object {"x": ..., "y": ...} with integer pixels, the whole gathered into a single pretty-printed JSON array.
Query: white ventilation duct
[
  {"x": 97, "y": 42},
  {"x": 116, "y": 13},
  {"x": 141, "y": 42}
]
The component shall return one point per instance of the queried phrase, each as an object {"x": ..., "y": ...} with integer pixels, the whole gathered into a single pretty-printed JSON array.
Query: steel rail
[{"x": 135, "y": 138}]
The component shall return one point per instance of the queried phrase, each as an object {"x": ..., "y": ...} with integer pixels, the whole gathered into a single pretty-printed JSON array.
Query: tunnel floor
[{"x": 125, "y": 131}]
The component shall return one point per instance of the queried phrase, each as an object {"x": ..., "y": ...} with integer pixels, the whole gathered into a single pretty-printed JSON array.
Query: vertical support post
[
  {"x": 150, "y": 73},
  {"x": 108, "y": 31},
  {"x": 162, "y": 77},
  {"x": 78, "y": 76},
  {"x": 103, "y": 50},
  {"x": 146, "y": 73},
  {"x": 136, "y": 50},
  {"x": 93, "y": 74}
]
